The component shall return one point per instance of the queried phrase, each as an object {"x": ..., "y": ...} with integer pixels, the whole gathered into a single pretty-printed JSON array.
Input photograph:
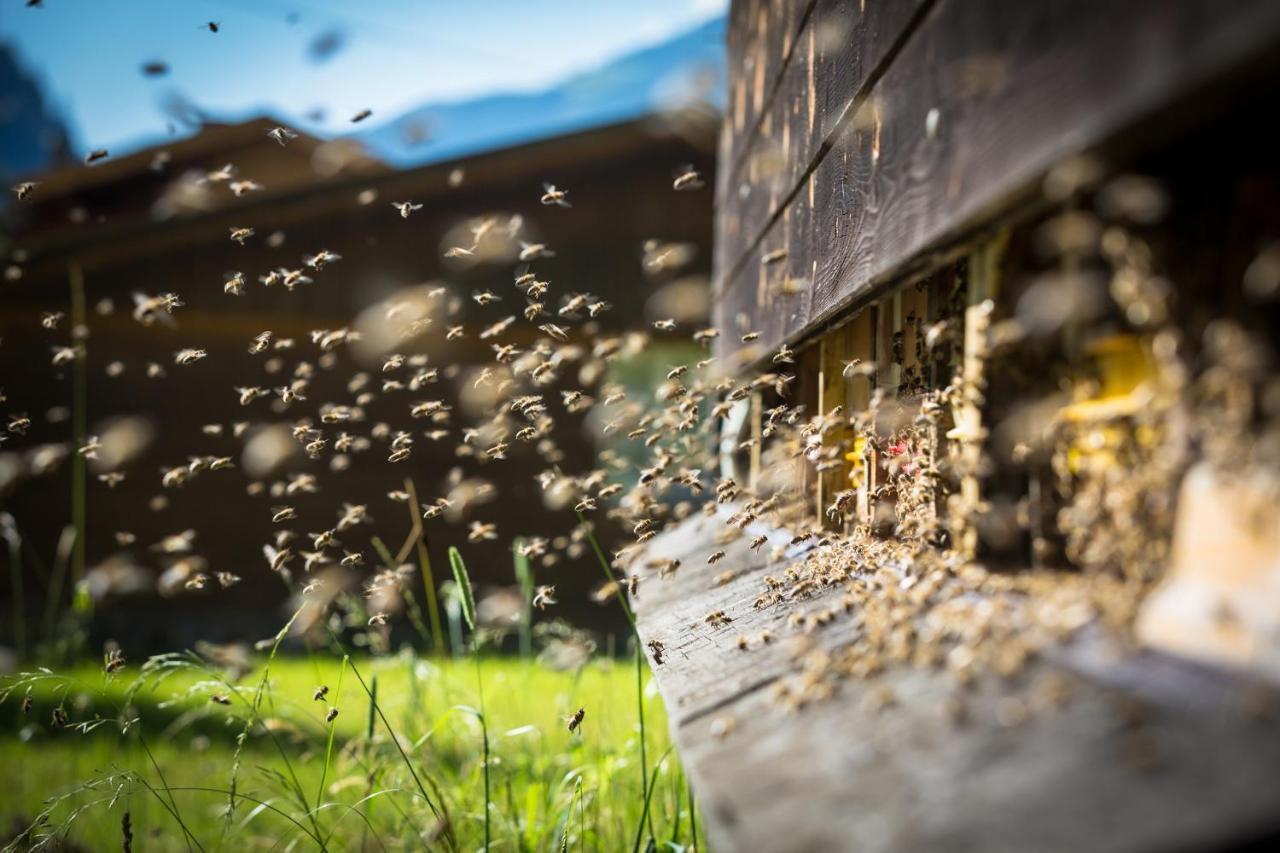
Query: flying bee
[
  {"x": 687, "y": 179},
  {"x": 772, "y": 257},
  {"x": 405, "y": 208},
  {"x": 585, "y": 505},
  {"x": 556, "y": 332},
  {"x": 234, "y": 286},
  {"x": 355, "y": 558},
  {"x": 112, "y": 478},
  {"x": 485, "y": 297},
  {"x": 399, "y": 454},
  {"x": 283, "y": 513},
  {"x": 219, "y": 699},
  {"x": 188, "y": 356},
  {"x": 533, "y": 251},
  {"x": 525, "y": 279},
  {"x": 784, "y": 355},
  {"x": 318, "y": 261},
  {"x": 377, "y": 619},
  {"x": 281, "y": 135},
  {"x": 609, "y": 490},
  {"x": 24, "y": 190},
  {"x": 576, "y": 719},
  {"x": 551, "y": 195},
  {"x": 677, "y": 372},
  {"x": 543, "y": 596},
  {"x": 239, "y": 188},
  {"x": 537, "y": 289},
  {"x": 361, "y": 116},
  {"x": 595, "y": 309},
  {"x": 240, "y": 234},
  {"x": 113, "y": 661},
  {"x": 858, "y": 367},
  {"x": 51, "y": 319},
  {"x": 758, "y": 541},
  {"x": 227, "y": 579},
  {"x": 211, "y": 26},
  {"x": 95, "y": 155},
  {"x": 715, "y": 558},
  {"x": 664, "y": 325},
  {"x": 459, "y": 252},
  {"x": 749, "y": 337},
  {"x": 703, "y": 336},
  {"x": 574, "y": 304}
]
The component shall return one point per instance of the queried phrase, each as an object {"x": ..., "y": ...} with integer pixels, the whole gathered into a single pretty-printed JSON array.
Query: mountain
[{"x": 686, "y": 68}]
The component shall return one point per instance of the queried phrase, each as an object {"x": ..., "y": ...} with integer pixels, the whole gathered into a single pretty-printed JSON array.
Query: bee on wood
[
  {"x": 633, "y": 586},
  {"x": 717, "y": 618},
  {"x": 576, "y": 719},
  {"x": 656, "y": 649}
]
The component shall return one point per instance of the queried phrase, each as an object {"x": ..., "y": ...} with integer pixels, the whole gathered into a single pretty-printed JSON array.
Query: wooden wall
[{"x": 863, "y": 138}]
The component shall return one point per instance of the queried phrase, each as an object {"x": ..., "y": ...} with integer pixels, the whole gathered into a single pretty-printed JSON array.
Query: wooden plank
[
  {"x": 1193, "y": 770},
  {"x": 841, "y": 45},
  {"x": 981, "y": 101}
]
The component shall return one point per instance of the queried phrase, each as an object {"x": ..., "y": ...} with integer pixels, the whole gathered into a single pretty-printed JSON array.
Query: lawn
[{"x": 548, "y": 788}]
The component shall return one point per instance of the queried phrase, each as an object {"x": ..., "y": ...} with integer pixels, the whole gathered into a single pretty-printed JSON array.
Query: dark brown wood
[
  {"x": 1197, "y": 773},
  {"x": 974, "y": 107}
]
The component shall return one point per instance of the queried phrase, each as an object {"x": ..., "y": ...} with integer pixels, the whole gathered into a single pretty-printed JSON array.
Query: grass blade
[{"x": 465, "y": 596}]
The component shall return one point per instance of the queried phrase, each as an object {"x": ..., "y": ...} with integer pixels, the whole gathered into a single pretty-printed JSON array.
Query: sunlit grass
[{"x": 549, "y": 788}]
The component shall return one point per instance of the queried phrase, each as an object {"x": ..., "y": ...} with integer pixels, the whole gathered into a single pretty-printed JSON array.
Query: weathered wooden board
[
  {"x": 976, "y": 104},
  {"x": 1193, "y": 772}
]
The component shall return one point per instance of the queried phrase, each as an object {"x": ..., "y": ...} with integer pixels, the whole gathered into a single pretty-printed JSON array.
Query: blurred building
[{"x": 158, "y": 221}]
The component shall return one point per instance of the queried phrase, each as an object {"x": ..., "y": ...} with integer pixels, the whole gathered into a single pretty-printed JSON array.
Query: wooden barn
[
  {"x": 1022, "y": 259},
  {"x": 93, "y": 241}
]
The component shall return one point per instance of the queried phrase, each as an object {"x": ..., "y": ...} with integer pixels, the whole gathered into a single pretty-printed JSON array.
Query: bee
[
  {"x": 113, "y": 661},
  {"x": 480, "y": 531},
  {"x": 784, "y": 355},
  {"x": 405, "y": 208},
  {"x": 633, "y": 587},
  {"x": 595, "y": 309},
  {"x": 188, "y": 356},
  {"x": 239, "y": 188},
  {"x": 609, "y": 490},
  {"x": 537, "y": 289},
  {"x": 318, "y": 261},
  {"x": 459, "y": 252},
  {"x": 399, "y": 454},
  {"x": 234, "y": 286},
  {"x": 331, "y": 715},
  {"x": 758, "y": 541},
  {"x": 858, "y": 367},
  {"x": 321, "y": 692},
  {"x": 282, "y": 513},
  {"x": 715, "y": 558},
  {"x": 717, "y": 618},
  {"x": 24, "y": 190},
  {"x": 355, "y": 558},
  {"x": 551, "y": 195},
  {"x": 485, "y": 297},
  {"x": 677, "y": 372},
  {"x": 525, "y": 279},
  {"x": 703, "y": 336},
  {"x": 211, "y": 26},
  {"x": 543, "y": 596},
  {"x": 27, "y": 704},
  {"x": 111, "y": 479},
  {"x": 220, "y": 698},
  {"x": 281, "y": 135},
  {"x": 556, "y": 332},
  {"x": 743, "y": 643},
  {"x": 227, "y": 579},
  {"x": 576, "y": 720},
  {"x": 51, "y": 319},
  {"x": 772, "y": 257},
  {"x": 749, "y": 337},
  {"x": 533, "y": 251},
  {"x": 240, "y": 234},
  {"x": 361, "y": 116},
  {"x": 656, "y": 649},
  {"x": 687, "y": 179},
  {"x": 664, "y": 325},
  {"x": 95, "y": 155}
]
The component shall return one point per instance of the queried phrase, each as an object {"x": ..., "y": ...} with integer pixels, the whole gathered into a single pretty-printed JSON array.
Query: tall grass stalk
[
  {"x": 79, "y": 422},
  {"x": 328, "y": 750},
  {"x": 648, "y": 796},
  {"x": 424, "y": 565},
  {"x": 524, "y": 577}
]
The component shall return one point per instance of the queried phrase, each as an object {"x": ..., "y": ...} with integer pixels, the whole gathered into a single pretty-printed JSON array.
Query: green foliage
[
  {"x": 548, "y": 789},
  {"x": 465, "y": 596}
]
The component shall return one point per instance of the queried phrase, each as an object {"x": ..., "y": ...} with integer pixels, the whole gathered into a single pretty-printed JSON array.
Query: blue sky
[{"x": 395, "y": 54}]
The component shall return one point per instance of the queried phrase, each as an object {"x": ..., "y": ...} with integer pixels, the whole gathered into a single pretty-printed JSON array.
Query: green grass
[{"x": 549, "y": 789}]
